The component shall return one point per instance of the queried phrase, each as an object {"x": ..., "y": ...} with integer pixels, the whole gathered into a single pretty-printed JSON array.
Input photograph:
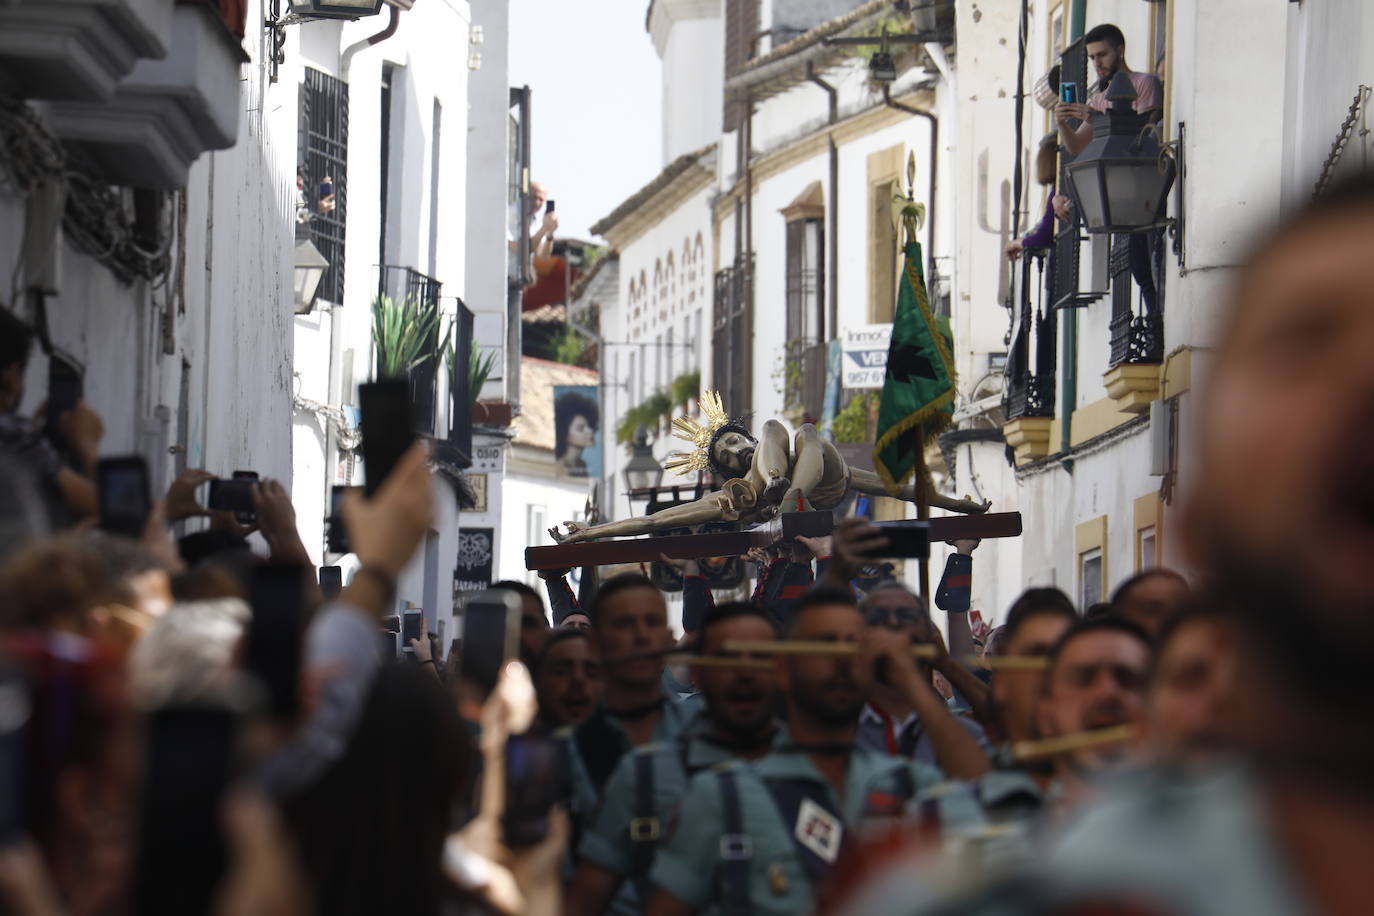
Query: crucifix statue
[{"x": 763, "y": 477}]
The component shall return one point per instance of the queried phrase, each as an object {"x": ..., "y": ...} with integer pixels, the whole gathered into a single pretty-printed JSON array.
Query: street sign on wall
[{"x": 865, "y": 355}]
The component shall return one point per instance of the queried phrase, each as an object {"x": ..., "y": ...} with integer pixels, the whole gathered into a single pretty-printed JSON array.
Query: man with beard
[
  {"x": 643, "y": 793},
  {"x": 1105, "y": 46},
  {"x": 567, "y": 676},
  {"x": 762, "y": 838},
  {"x": 1096, "y": 679}
]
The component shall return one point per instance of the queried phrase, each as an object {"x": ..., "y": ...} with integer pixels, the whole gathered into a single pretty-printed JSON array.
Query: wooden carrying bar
[{"x": 736, "y": 543}]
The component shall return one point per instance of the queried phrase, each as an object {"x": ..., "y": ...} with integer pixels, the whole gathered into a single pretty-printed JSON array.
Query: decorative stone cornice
[{"x": 664, "y": 14}]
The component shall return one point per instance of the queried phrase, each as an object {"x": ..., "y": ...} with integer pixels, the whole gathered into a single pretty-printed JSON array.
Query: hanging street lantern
[
  {"x": 1121, "y": 181},
  {"x": 335, "y": 9},
  {"x": 642, "y": 471}
]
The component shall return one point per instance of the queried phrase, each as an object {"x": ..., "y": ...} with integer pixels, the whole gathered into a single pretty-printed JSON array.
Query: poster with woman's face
[{"x": 577, "y": 430}]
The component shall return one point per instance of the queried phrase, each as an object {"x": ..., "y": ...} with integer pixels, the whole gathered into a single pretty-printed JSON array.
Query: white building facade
[
  {"x": 383, "y": 165},
  {"x": 169, "y": 224},
  {"x": 1104, "y": 466}
]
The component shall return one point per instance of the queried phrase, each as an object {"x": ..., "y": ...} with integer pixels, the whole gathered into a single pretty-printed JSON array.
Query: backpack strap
[
  {"x": 600, "y": 745},
  {"x": 644, "y": 826},
  {"x": 817, "y": 829},
  {"x": 736, "y": 847}
]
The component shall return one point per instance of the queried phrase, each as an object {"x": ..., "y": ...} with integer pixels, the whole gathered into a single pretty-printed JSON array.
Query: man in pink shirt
[{"x": 1106, "y": 48}]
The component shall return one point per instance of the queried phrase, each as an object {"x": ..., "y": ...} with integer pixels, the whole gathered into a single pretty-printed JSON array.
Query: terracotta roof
[
  {"x": 664, "y": 178},
  {"x": 785, "y": 65},
  {"x": 534, "y": 427}
]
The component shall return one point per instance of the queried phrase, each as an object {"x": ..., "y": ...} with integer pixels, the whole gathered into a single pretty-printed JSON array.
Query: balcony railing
[
  {"x": 1137, "y": 325},
  {"x": 460, "y": 392},
  {"x": 733, "y": 334},
  {"x": 1031, "y": 361},
  {"x": 804, "y": 371},
  {"x": 407, "y": 285}
]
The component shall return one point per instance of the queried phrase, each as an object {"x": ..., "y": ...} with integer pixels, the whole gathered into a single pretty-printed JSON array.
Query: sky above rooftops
[{"x": 597, "y": 94}]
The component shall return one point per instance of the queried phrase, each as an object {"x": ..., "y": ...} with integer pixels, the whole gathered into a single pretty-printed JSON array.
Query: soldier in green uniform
[
  {"x": 761, "y": 838},
  {"x": 644, "y": 791},
  {"x": 630, "y": 623}
]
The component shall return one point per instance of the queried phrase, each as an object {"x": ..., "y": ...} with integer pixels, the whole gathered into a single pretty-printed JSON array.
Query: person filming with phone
[
  {"x": 70, "y": 479},
  {"x": 1106, "y": 48}
]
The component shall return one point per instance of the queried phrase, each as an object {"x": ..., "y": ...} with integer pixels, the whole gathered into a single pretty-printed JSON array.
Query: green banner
[{"x": 918, "y": 390}]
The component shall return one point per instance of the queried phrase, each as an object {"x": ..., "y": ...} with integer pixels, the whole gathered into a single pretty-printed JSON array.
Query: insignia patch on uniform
[
  {"x": 777, "y": 880},
  {"x": 819, "y": 830}
]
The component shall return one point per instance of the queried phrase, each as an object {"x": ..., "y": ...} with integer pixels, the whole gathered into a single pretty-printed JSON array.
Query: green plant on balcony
[
  {"x": 404, "y": 335},
  {"x": 655, "y": 408},
  {"x": 685, "y": 388},
  {"x": 568, "y": 347},
  {"x": 658, "y": 406},
  {"x": 480, "y": 366},
  {"x": 853, "y": 422}
]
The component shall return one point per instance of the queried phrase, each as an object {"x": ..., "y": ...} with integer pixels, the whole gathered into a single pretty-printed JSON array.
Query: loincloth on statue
[{"x": 828, "y": 496}]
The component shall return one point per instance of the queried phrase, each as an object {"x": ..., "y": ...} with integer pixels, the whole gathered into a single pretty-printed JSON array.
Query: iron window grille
[{"x": 324, "y": 171}]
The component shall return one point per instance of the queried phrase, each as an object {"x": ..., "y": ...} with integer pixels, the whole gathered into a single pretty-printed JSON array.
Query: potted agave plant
[{"x": 404, "y": 334}]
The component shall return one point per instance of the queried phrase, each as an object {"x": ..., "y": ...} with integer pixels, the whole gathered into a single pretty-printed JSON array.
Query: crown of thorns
[{"x": 703, "y": 435}]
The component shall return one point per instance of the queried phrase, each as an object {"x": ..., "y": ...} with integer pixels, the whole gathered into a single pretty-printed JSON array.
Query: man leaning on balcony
[{"x": 1106, "y": 48}]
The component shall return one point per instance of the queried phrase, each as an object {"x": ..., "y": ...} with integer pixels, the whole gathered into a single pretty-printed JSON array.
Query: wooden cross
[{"x": 780, "y": 530}]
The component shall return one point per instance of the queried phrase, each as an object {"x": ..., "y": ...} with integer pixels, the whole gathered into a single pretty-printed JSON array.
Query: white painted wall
[
  {"x": 488, "y": 151},
  {"x": 526, "y": 493},
  {"x": 234, "y": 332},
  {"x": 687, "y": 302},
  {"x": 333, "y": 345}
]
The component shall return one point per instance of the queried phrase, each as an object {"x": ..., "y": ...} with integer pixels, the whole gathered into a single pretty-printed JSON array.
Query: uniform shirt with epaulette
[
  {"x": 637, "y": 804},
  {"x": 760, "y": 838}
]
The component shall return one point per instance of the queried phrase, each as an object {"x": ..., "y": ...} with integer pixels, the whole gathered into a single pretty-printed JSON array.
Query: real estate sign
[{"x": 865, "y": 355}]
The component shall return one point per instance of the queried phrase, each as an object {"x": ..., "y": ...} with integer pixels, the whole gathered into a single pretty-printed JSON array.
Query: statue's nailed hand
[
  {"x": 971, "y": 506},
  {"x": 575, "y": 532}
]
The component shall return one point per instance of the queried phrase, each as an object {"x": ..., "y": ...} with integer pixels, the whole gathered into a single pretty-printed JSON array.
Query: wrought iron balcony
[
  {"x": 1031, "y": 359},
  {"x": 1137, "y": 325},
  {"x": 804, "y": 371},
  {"x": 407, "y": 285},
  {"x": 732, "y": 334}
]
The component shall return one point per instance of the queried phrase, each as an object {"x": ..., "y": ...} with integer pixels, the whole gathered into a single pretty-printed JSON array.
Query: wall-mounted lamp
[
  {"x": 310, "y": 268},
  {"x": 311, "y": 11}
]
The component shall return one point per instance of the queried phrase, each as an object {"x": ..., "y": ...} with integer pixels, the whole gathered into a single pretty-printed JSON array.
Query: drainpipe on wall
[
  {"x": 833, "y": 220},
  {"x": 1078, "y": 13},
  {"x": 333, "y": 386},
  {"x": 346, "y": 59},
  {"x": 890, "y": 102}
]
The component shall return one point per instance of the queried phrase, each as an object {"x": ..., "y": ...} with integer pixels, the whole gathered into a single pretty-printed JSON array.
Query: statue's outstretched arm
[
  {"x": 698, "y": 512},
  {"x": 866, "y": 481}
]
